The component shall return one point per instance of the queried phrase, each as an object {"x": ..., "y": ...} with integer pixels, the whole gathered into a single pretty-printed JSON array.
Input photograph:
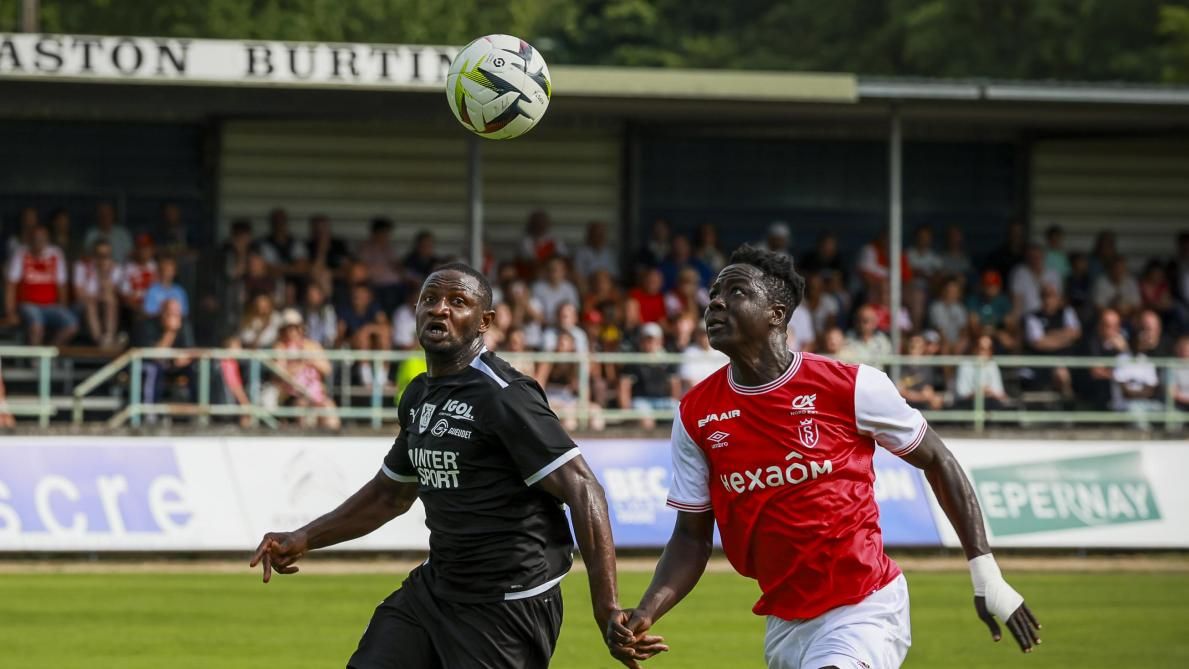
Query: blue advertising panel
[{"x": 636, "y": 475}]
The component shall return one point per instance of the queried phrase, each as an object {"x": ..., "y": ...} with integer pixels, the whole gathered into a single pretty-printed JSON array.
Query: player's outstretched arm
[
  {"x": 993, "y": 597},
  {"x": 377, "y": 502},
  {"x": 679, "y": 570},
  {"x": 575, "y": 484}
]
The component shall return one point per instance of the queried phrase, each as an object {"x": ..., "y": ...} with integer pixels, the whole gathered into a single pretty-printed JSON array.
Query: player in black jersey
[{"x": 492, "y": 465}]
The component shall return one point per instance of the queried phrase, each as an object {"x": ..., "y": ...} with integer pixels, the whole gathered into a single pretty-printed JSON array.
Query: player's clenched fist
[
  {"x": 994, "y": 598},
  {"x": 278, "y": 551}
]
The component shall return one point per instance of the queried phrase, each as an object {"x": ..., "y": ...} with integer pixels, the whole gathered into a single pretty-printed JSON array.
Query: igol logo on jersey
[
  {"x": 458, "y": 409},
  {"x": 426, "y": 414},
  {"x": 726, "y": 415},
  {"x": 1065, "y": 494}
]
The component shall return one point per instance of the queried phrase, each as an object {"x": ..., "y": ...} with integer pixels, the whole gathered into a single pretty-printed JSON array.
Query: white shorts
[{"x": 873, "y": 634}]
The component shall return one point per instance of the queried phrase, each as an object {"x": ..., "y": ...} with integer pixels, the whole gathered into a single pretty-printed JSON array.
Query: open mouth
[{"x": 435, "y": 330}]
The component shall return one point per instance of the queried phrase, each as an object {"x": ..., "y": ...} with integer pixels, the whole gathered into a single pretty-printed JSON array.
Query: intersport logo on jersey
[
  {"x": 1066, "y": 494},
  {"x": 798, "y": 471}
]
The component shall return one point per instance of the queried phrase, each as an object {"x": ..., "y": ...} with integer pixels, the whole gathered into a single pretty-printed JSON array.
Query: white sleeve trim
[
  {"x": 883, "y": 414},
  {"x": 553, "y": 466},
  {"x": 690, "y": 489},
  {"x": 400, "y": 478}
]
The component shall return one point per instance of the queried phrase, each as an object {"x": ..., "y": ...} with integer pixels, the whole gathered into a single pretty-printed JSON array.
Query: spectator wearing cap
[
  {"x": 1027, "y": 279},
  {"x": 36, "y": 291},
  {"x": 651, "y": 386},
  {"x": 1117, "y": 289},
  {"x": 595, "y": 255},
  {"x": 989, "y": 308},
  {"x": 378, "y": 255},
  {"x": 106, "y": 227},
  {"x": 778, "y": 239},
  {"x": 306, "y": 386}
]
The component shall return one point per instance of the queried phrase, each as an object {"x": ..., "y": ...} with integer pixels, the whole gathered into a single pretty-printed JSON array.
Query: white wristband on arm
[{"x": 1002, "y": 599}]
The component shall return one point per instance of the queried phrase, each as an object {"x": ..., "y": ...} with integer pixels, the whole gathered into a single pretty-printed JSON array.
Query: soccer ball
[{"x": 498, "y": 87}]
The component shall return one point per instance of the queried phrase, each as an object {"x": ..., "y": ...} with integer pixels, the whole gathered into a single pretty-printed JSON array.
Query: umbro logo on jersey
[
  {"x": 718, "y": 439},
  {"x": 726, "y": 415},
  {"x": 804, "y": 402}
]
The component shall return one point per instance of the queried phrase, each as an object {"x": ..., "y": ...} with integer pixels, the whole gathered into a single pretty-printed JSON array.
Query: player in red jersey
[{"x": 777, "y": 448}]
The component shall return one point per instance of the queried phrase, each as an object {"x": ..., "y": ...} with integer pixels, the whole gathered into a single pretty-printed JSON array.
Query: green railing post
[
  {"x": 254, "y": 384},
  {"x": 43, "y": 391},
  {"x": 377, "y": 391},
  {"x": 980, "y": 401},
  {"x": 584, "y": 391},
  {"x": 134, "y": 389},
  {"x": 204, "y": 390}
]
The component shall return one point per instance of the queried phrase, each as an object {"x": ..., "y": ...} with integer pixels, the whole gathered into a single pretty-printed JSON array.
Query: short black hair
[
  {"x": 485, "y": 294},
  {"x": 780, "y": 279}
]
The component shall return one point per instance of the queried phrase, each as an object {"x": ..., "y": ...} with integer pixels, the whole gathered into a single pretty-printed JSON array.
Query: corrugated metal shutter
[
  {"x": 1139, "y": 188},
  {"x": 415, "y": 173}
]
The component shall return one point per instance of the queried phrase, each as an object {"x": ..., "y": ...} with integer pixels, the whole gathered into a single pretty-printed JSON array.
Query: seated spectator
[
  {"x": 707, "y": 249},
  {"x": 364, "y": 326},
  {"x": 919, "y": 383},
  {"x": 404, "y": 322},
  {"x": 1104, "y": 253},
  {"x": 1117, "y": 289},
  {"x": 526, "y": 312},
  {"x": 566, "y": 322},
  {"x": 1056, "y": 259},
  {"x": 539, "y": 244},
  {"x": 310, "y": 373},
  {"x": 1027, "y": 279},
  {"x": 699, "y": 360},
  {"x": 874, "y": 266},
  {"x": 595, "y": 255},
  {"x": 1179, "y": 376},
  {"x": 105, "y": 227},
  {"x": 321, "y": 321},
  {"x": 421, "y": 260},
  {"x": 97, "y": 279},
  {"x": 1107, "y": 341},
  {"x": 168, "y": 330},
  {"x": 559, "y": 380},
  {"x": 656, "y": 247},
  {"x": 515, "y": 343},
  {"x": 378, "y": 256},
  {"x": 175, "y": 236},
  {"x": 824, "y": 259},
  {"x": 1136, "y": 388},
  {"x": 879, "y": 303},
  {"x": 285, "y": 255},
  {"x": 1010, "y": 254},
  {"x": 649, "y": 387},
  {"x": 836, "y": 288},
  {"x": 866, "y": 342},
  {"x": 834, "y": 344},
  {"x": 802, "y": 335},
  {"x": 777, "y": 241},
  {"x": 972, "y": 375},
  {"x": 689, "y": 296},
  {"x": 955, "y": 261},
  {"x": 1156, "y": 292},
  {"x": 62, "y": 236},
  {"x": 990, "y": 308},
  {"x": 822, "y": 306},
  {"x": 233, "y": 382},
  {"x": 164, "y": 289},
  {"x": 555, "y": 289},
  {"x": 1078, "y": 287},
  {"x": 27, "y": 221},
  {"x": 949, "y": 317},
  {"x": 602, "y": 294},
  {"x": 646, "y": 302},
  {"x": 680, "y": 259},
  {"x": 1052, "y": 330},
  {"x": 35, "y": 293},
  {"x": 924, "y": 260},
  {"x": 1150, "y": 330},
  {"x": 683, "y": 328},
  {"x": 234, "y": 251},
  {"x": 323, "y": 249},
  {"x": 260, "y": 324},
  {"x": 1179, "y": 269},
  {"x": 257, "y": 279},
  {"x": 138, "y": 273}
]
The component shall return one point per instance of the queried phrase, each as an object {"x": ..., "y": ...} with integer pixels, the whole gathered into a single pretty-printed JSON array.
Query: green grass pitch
[{"x": 204, "y": 620}]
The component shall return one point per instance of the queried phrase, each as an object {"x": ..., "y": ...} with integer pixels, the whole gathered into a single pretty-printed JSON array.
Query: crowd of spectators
[{"x": 281, "y": 292}]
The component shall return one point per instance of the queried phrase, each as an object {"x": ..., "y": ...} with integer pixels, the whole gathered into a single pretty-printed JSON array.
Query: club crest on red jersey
[{"x": 807, "y": 433}]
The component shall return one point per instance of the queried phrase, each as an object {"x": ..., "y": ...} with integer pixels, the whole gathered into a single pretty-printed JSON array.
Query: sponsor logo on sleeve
[{"x": 1066, "y": 494}]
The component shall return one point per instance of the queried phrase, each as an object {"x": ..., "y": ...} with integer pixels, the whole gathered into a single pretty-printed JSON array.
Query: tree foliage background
[{"x": 1124, "y": 40}]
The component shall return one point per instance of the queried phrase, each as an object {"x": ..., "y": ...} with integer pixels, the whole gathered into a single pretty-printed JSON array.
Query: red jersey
[
  {"x": 787, "y": 469},
  {"x": 652, "y": 307},
  {"x": 137, "y": 277},
  {"x": 38, "y": 278}
]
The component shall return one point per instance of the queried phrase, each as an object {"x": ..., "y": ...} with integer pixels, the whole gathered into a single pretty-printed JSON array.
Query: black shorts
[{"x": 414, "y": 629}]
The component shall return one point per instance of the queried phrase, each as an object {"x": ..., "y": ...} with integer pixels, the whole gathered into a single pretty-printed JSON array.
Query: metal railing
[
  {"x": 42, "y": 406},
  {"x": 380, "y": 408}
]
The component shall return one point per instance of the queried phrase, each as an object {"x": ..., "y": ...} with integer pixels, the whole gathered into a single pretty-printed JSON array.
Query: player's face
[
  {"x": 740, "y": 313},
  {"x": 450, "y": 312}
]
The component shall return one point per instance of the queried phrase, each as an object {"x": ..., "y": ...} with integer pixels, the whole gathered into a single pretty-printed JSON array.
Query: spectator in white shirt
[
  {"x": 948, "y": 316},
  {"x": 321, "y": 322},
  {"x": 554, "y": 290},
  {"x": 972, "y": 375},
  {"x": 922, "y": 258},
  {"x": 595, "y": 254},
  {"x": 802, "y": 336},
  {"x": 699, "y": 360},
  {"x": 1117, "y": 289},
  {"x": 566, "y": 321},
  {"x": 97, "y": 280}
]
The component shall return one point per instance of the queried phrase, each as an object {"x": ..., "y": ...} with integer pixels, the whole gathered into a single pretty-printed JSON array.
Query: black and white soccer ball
[{"x": 498, "y": 87}]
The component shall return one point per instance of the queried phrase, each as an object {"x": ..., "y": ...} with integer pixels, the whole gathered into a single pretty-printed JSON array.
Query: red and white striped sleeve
[
  {"x": 882, "y": 413},
  {"x": 690, "y": 490}
]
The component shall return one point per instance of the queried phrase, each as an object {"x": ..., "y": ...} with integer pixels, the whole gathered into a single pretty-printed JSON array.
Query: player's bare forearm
[
  {"x": 953, "y": 491},
  {"x": 681, "y": 565},
  {"x": 377, "y": 502},
  {"x": 576, "y": 485}
]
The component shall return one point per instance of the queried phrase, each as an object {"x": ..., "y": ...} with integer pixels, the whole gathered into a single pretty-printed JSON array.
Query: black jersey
[{"x": 476, "y": 442}]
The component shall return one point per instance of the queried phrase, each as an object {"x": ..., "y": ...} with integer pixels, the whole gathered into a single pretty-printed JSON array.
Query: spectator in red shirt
[
  {"x": 539, "y": 244},
  {"x": 140, "y": 272},
  {"x": 646, "y": 302},
  {"x": 36, "y": 291}
]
